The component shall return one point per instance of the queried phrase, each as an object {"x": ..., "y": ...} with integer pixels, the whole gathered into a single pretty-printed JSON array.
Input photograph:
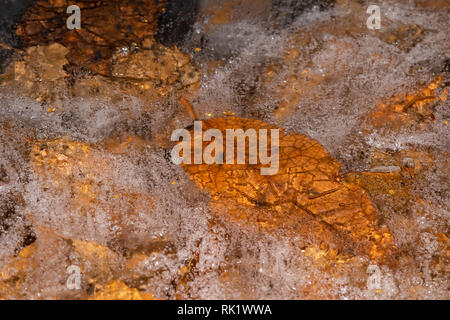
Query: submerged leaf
[
  {"x": 305, "y": 197},
  {"x": 40, "y": 74},
  {"x": 105, "y": 26},
  {"x": 406, "y": 110},
  {"x": 115, "y": 42}
]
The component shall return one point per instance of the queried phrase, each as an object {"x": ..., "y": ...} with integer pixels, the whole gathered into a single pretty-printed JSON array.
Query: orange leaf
[{"x": 305, "y": 197}]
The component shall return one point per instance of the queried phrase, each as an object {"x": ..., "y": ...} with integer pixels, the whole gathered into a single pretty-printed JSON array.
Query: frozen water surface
[{"x": 334, "y": 72}]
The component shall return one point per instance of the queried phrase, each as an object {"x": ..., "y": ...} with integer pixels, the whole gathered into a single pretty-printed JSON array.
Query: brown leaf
[
  {"x": 40, "y": 74},
  {"x": 115, "y": 44},
  {"x": 105, "y": 26},
  {"x": 403, "y": 110},
  {"x": 304, "y": 198}
]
